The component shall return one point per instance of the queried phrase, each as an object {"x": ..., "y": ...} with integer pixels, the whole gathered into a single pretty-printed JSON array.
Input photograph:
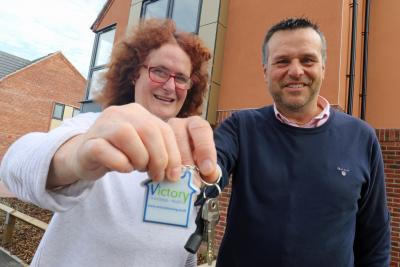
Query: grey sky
[{"x": 34, "y": 28}]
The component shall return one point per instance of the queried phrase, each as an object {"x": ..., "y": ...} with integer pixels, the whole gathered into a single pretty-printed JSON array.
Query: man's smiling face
[{"x": 295, "y": 70}]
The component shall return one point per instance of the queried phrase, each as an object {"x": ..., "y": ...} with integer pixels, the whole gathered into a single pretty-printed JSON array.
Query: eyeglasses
[{"x": 162, "y": 75}]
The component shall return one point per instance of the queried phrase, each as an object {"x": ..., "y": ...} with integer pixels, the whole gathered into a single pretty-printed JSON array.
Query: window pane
[
  {"x": 185, "y": 13},
  {"x": 96, "y": 83},
  {"x": 104, "y": 47},
  {"x": 58, "y": 112},
  {"x": 157, "y": 9},
  {"x": 75, "y": 112}
]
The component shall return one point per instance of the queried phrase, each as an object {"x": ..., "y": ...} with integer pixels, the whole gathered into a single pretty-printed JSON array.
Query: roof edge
[
  {"x": 33, "y": 62},
  {"x": 101, "y": 15},
  {"x": 71, "y": 65},
  {"x": 36, "y": 61}
]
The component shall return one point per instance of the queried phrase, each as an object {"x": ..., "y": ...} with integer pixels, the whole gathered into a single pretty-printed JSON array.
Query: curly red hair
[{"x": 128, "y": 56}]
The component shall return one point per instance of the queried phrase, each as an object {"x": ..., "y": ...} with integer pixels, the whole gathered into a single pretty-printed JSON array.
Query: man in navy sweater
[
  {"x": 308, "y": 185},
  {"x": 307, "y": 181}
]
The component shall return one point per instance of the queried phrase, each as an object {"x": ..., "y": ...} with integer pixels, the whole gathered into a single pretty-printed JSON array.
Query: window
[
  {"x": 58, "y": 111},
  {"x": 184, "y": 12},
  {"x": 155, "y": 9},
  {"x": 102, "y": 48},
  {"x": 75, "y": 112},
  {"x": 96, "y": 82}
]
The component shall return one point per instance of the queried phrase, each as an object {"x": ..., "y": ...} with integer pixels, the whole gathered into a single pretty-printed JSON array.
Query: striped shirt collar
[{"x": 317, "y": 121}]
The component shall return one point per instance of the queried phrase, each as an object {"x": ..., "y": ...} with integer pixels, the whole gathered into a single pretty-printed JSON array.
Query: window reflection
[
  {"x": 96, "y": 83},
  {"x": 58, "y": 111},
  {"x": 157, "y": 9},
  {"x": 104, "y": 48},
  {"x": 185, "y": 13},
  {"x": 76, "y": 112}
]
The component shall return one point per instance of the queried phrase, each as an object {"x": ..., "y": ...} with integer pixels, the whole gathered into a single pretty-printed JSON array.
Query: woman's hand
[
  {"x": 122, "y": 139},
  {"x": 195, "y": 140}
]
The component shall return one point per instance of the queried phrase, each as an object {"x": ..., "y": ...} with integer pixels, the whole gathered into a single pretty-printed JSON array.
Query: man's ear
[{"x": 265, "y": 72}]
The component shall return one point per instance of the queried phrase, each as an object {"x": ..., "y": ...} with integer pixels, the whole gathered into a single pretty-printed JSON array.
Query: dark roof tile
[{"x": 10, "y": 63}]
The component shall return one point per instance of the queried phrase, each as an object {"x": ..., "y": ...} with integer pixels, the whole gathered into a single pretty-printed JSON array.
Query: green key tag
[{"x": 170, "y": 202}]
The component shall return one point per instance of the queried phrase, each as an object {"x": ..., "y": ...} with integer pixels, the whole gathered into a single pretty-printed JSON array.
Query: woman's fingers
[
  {"x": 174, "y": 162},
  {"x": 127, "y": 140},
  {"x": 99, "y": 156},
  {"x": 196, "y": 145},
  {"x": 204, "y": 151},
  {"x": 179, "y": 127},
  {"x": 152, "y": 138},
  {"x": 129, "y": 137}
]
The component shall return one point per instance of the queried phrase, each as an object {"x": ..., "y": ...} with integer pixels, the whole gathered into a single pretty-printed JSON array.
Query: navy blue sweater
[{"x": 302, "y": 197}]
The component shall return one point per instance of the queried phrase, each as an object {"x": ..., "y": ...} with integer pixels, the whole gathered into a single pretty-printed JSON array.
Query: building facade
[
  {"x": 361, "y": 66},
  {"x": 37, "y": 96}
]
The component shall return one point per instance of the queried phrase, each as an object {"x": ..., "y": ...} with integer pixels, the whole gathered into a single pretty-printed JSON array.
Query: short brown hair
[
  {"x": 293, "y": 24},
  {"x": 128, "y": 56}
]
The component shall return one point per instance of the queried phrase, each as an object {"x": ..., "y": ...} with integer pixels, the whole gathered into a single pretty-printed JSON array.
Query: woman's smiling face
[{"x": 163, "y": 99}]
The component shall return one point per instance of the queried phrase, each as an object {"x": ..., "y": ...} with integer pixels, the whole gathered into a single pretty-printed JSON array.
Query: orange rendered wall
[
  {"x": 242, "y": 84},
  {"x": 383, "y": 99},
  {"x": 242, "y": 78},
  {"x": 117, "y": 12}
]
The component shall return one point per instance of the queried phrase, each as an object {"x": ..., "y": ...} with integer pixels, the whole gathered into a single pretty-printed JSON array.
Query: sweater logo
[{"x": 343, "y": 171}]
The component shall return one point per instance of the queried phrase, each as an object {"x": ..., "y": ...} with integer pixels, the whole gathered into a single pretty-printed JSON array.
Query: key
[
  {"x": 195, "y": 239},
  {"x": 210, "y": 215}
]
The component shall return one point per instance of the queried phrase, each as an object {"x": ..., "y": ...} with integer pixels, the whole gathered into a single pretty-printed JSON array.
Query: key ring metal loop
[
  {"x": 194, "y": 168},
  {"x": 217, "y": 181},
  {"x": 218, "y": 188}
]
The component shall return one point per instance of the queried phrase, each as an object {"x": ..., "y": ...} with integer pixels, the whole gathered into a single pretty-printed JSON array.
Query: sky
[{"x": 35, "y": 28}]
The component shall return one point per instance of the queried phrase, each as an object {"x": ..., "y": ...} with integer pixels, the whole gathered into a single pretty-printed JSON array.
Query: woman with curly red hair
[
  {"x": 89, "y": 171},
  {"x": 129, "y": 56}
]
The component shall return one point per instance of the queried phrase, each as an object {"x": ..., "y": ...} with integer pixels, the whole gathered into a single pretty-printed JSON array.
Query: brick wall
[
  {"x": 390, "y": 144},
  {"x": 225, "y": 195},
  {"x": 28, "y": 95},
  {"x": 223, "y": 206}
]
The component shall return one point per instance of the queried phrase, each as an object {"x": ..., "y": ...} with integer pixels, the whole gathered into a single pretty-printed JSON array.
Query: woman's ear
[{"x": 134, "y": 78}]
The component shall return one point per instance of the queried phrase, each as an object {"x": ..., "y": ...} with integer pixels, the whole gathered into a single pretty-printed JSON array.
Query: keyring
[
  {"x": 194, "y": 168},
  {"x": 217, "y": 181},
  {"x": 191, "y": 167},
  {"x": 218, "y": 188}
]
